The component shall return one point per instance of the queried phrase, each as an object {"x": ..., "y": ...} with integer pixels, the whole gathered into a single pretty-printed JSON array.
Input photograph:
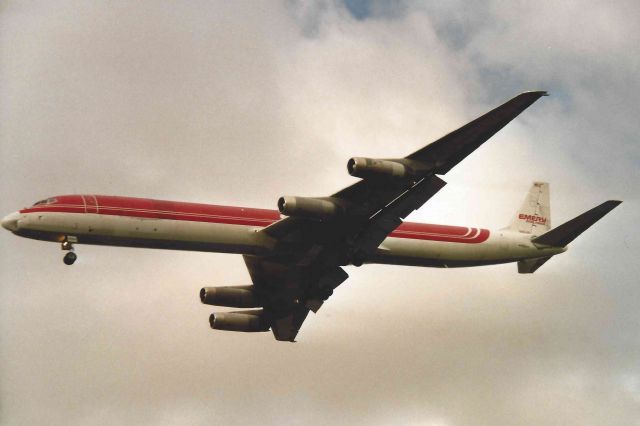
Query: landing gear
[
  {"x": 67, "y": 245},
  {"x": 69, "y": 258}
]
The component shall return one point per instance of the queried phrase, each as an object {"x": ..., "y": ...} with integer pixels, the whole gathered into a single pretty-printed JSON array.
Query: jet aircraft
[{"x": 295, "y": 254}]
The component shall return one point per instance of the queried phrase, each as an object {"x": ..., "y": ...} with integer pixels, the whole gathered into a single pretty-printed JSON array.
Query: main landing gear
[{"x": 67, "y": 245}]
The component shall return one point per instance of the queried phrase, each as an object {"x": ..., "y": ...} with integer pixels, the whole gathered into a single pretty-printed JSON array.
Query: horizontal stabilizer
[
  {"x": 529, "y": 266},
  {"x": 568, "y": 231}
]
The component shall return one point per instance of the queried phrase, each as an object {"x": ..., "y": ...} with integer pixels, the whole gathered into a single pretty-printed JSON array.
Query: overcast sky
[{"x": 241, "y": 102}]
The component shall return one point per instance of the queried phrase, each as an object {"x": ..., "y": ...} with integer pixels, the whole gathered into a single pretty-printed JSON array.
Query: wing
[
  {"x": 442, "y": 155},
  {"x": 304, "y": 267},
  {"x": 449, "y": 150},
  {"x": 369, "y": 197}
]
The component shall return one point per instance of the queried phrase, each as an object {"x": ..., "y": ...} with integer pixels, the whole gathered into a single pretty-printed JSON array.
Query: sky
[{"x": 238, "y": 103}]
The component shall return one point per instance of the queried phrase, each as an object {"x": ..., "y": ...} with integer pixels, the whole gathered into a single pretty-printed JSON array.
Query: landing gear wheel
[{"x": 69, "y": 258}]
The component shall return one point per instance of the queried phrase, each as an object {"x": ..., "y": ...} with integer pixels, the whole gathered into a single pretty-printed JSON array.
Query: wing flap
[{"x": 389, "y": 218}]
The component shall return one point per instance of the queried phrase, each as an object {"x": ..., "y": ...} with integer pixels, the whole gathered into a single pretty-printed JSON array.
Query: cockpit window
[{"x": 47, "y": 201}]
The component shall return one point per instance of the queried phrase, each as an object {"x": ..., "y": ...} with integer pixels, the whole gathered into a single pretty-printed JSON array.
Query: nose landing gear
[{"x": 70, "y": 257}]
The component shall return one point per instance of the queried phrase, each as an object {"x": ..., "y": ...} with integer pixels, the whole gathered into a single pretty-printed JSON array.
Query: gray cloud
[{"x": 238, "y": 103}]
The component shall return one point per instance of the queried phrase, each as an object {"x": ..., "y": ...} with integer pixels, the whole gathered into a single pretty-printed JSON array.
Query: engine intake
[
  {"x": 371, "y": 168},
  {"x": 247, "y": 321},
  {"x": 231, "y": 296},
  {"x": 314, "y": 208}
]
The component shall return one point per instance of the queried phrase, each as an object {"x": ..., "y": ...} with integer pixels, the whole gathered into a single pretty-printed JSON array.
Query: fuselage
[{"x": 147, "y": 223}]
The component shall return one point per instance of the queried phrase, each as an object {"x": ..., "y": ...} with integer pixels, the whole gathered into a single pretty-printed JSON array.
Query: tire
[{"x": 69, "y": 258}]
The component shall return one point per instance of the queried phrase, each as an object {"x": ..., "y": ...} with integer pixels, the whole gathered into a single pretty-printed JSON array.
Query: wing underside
[{"x": 291, "y": 291}]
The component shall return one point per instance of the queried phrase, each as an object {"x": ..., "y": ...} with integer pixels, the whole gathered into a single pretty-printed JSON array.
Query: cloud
[{"x": 238, "y": 103}]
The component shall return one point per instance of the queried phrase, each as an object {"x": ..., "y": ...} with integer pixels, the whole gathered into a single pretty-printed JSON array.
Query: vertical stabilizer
[{"x": 534, "y": 216}]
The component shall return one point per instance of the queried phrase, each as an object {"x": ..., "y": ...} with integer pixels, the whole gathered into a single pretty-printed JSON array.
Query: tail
[
  {"x": 534, "y": 216},
  {"x": 565, "y": 233}
]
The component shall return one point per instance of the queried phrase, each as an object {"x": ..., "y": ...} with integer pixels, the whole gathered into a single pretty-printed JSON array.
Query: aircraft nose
[{"x": 10, "y": 221}]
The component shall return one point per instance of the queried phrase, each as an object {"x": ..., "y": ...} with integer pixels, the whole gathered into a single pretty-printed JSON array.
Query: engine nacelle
[
  {"x": 246, "y": 321},
  {"x": 373, "y": 168},
  {"x": 314, "y": 208},
  {"x": 232, "y": 296}
]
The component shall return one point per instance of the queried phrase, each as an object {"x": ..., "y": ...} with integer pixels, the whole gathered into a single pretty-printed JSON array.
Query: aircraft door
[{"x": 90, "y": 203}]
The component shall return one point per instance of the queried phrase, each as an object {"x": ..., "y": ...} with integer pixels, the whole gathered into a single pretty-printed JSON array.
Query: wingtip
[
  {"x": 609, "y": 205},
  {"x": 539, "y": 93}
]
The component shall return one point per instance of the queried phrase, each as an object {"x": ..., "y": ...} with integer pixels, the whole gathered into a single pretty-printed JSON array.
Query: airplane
[{"x": 295, "y": 254}]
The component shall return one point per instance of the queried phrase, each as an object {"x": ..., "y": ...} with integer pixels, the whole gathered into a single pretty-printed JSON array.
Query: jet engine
[
  {"x": 232, "y": 296},
  {"x": 372, "y": 168},
  {"x": 247, "y": 321},
  {"x": 314, "y": 208}
]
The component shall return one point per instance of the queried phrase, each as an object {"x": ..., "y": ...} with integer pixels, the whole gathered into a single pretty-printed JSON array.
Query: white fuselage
[{"x": 186, "y": 226}]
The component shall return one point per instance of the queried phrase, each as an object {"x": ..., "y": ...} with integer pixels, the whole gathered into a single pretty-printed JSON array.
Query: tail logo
[{"x": 532, "y": 219}]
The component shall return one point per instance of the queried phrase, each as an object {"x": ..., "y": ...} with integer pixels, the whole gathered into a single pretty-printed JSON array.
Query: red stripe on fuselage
[
  {"x": 451, "y": 234},
  {"x": 193, "y": 212}
]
